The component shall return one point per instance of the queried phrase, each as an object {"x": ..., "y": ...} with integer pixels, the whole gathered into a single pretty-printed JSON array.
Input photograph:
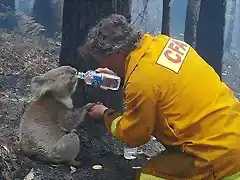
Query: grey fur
[{"x": 47, "y": 126}]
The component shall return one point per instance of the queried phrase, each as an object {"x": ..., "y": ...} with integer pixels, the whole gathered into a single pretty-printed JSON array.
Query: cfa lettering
[{"x": 175, "y": 51}]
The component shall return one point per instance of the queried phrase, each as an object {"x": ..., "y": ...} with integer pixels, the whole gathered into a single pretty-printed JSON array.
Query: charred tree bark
[
  {"x": 192, "y": 16},
  {"x": 78, "y": 17},
  {"x": 210, "y": 33},
  {"x": 7, "y": 14},
  {"x": 166, "y": 17},
  {"x": 43, "y": 14}
]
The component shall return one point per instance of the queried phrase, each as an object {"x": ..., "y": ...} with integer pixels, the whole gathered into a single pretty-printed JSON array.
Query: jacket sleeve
[{"x": 136, "y": 125}]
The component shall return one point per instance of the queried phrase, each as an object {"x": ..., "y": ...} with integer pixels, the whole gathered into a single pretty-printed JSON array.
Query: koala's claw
[
  {"x": 89, "y": 106},
  {"x": 83, "y": 111}
]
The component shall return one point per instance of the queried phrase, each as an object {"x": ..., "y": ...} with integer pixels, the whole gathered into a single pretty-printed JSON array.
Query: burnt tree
[
  {"x": 210, "y": 33},
  {"x": 7, "y": 14},
  {"x": 48, "y": 13},
  {"x": 7, "y": 3},
  {"x": 166, "y": 17},
  {"x": 192, "y": 15},
  {"x": 78, "y": 17},
  {"x": 230, "y": 17}
]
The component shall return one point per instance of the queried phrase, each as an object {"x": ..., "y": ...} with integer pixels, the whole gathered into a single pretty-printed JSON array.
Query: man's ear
[
  {"x": 39, "y": 86},
  {"x": 122, "y": 53}
]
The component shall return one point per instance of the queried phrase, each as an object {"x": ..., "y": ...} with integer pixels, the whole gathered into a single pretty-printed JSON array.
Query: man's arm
[{"x": 136, "y": 125}]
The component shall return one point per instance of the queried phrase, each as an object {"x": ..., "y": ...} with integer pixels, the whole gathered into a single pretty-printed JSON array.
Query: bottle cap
[{"x": 81, "y": 75}]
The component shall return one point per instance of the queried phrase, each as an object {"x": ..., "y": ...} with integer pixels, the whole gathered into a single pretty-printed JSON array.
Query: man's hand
[
  {"x": 97, "y": 111},
  {"x": 105, "y": 70}
]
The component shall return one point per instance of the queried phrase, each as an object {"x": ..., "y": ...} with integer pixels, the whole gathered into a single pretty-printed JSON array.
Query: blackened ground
[
  {"x": 20, "y": 60},
  {"x": 97, "y": 147}
]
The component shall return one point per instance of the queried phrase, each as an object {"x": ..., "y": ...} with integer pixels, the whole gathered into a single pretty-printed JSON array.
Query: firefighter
[{"x": 170, "y": 92}]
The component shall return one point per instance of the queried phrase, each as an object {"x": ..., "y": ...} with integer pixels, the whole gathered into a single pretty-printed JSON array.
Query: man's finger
[
  {"x": 104, "y": 88},
  {"x": 105, "y": 70},
  {"x": 90, "y": 113},
  {"x": 99, "y": 69}
]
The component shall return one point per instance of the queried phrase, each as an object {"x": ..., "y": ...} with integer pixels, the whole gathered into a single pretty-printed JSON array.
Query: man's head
[{"x": 110, "y": 41}]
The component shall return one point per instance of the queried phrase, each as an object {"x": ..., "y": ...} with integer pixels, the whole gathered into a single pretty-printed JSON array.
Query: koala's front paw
[
  {"x": 84, "y": 110},
  {"x": 89, "y": 106}
]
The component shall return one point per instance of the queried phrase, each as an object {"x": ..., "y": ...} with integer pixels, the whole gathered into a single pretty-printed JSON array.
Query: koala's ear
[{"x": 38, "y": 86}]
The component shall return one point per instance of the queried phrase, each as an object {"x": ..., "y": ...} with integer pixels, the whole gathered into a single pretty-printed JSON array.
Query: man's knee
[{"x": 168, "y": 165}]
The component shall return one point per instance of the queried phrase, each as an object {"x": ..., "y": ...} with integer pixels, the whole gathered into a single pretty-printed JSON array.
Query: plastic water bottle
[
  {"x": 102, "y": 80},
  {"x": 129, "y": 153}
]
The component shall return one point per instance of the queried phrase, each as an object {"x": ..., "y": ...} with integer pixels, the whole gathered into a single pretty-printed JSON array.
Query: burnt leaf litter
[{"x": 25, "y": 53}]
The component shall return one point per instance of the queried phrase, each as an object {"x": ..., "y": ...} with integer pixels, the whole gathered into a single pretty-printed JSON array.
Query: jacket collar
[{"x": 136, "y": 55}]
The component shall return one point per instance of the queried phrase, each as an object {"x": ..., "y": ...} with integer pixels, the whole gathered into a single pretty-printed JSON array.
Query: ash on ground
[{"x": 24, "y": 53}]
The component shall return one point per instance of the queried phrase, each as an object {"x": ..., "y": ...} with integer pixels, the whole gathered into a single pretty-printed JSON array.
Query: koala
[{"x": 47, "y": 127}]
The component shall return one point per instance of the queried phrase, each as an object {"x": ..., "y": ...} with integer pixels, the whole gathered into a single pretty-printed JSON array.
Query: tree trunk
[
  {"x": 166, "y": 17},
  {"x": 47, "y": 13},
  {"x": 210, "y": 33},
  {"x": 192, "y": 16},
  {"x": 7, "y": 3},
  {"x": 7, "y": 14},
  {"x": 24, "y": 6},
  {"x": 78, "y": 17},
  {"x": 231, "y": 18},
  {"x": 58, "y": 14}
]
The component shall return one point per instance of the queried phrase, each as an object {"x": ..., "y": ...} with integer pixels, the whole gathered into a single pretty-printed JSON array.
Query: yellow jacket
[{"x": 172, "y": 93}]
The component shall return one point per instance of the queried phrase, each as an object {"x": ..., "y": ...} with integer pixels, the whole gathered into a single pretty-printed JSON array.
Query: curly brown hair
[{"x": 109, "y": 36}]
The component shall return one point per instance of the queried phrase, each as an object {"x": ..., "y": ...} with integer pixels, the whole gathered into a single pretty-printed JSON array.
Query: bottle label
[{"x": 97, "y": 80}]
